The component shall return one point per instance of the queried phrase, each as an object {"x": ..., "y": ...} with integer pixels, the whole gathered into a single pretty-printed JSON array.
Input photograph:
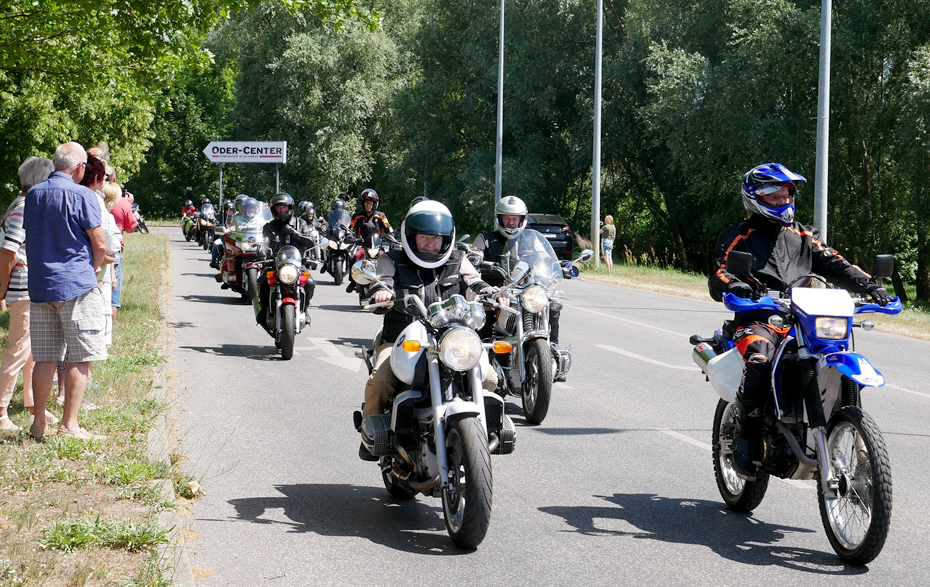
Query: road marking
[
  {"x": 703, "y": 445},
  {"x": 561, "y": 385},
  {"x": 614, "y": 349},
  {"x": 907, "y": 390},
  {"x": 333, "y": 355},
  {"x": 627, "y": 320}
]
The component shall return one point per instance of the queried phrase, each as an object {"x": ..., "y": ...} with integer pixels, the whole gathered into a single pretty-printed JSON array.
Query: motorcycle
[
  {"x": 374, "y": 246},
  {"x": 207, "y": 224},
  {"x": 141, "y": 226},
  {"x": 813, "y": 424},
  {"x": 242, "y": 260},
  {"x": 287, "y": 305},
  {"x": 534, "y": 363},
  {"x": 341, "y": 246},
  {"x": 189, "y": 225},
  {"x": 438, "y": 435}
]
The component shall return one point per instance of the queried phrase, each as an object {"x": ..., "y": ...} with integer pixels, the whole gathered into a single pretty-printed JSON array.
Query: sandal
[{"x": 7, "y": 424}]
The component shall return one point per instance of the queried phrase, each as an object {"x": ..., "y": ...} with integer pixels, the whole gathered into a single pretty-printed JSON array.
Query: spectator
[
  {"x": 125, "y": 222},
  {"x": 94, "y": 180},
  {"x": 608, "y": 234},
  {"x": 65, "y": 245},
  {"x": 14, "y": 292},
  {"x": 102, "y": 152}
]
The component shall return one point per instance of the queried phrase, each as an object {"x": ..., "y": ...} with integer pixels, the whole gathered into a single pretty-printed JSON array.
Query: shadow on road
[
  {"x": 200, "y": 274},
  {"x": 341, "y": 307},
  {"x": 255, "y": 352},
  {"x": 237, "y": 300},
  {"x": 354, "y": 343},
  {"x": 364, "y": 512},
  {"x": 737, "y": 537}
]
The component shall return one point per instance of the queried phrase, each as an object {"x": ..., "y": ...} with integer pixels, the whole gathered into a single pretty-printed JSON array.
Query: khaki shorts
[{"x": 77, "y": 325}]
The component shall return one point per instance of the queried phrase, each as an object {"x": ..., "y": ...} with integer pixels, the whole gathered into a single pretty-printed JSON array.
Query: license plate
[{"x": 551, "y": 236}]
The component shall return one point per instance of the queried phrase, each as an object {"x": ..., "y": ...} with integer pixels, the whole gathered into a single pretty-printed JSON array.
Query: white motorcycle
[{"x": 437, "y": 437}]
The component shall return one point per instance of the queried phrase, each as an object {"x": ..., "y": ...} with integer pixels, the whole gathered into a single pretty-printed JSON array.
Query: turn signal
[
  {"x": 502, "y": 348},
  {"x": 411, "y": 346}
]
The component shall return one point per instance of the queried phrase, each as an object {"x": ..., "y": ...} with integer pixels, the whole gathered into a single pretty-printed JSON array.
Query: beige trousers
[
  {"x": 17, "y": 356},
  {"x": 382, "y": 384}
]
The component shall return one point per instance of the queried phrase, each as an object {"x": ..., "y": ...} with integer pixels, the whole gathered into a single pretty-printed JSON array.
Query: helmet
[
  {"x": 302, "y": 206},
  {"x": 766, "y": 179},
  {"x": 188, "y": 203},
  {"x": 238, "y": 202},
  {"x": 277, "y": 200},
  {"x": 369, "y": 195},
  {"x": 205, "y": 201},
  {"x": 339, "y": 205},
  {"x": 433, "y": 218},
  {"x": 228, "y": 205},
  {"x": 509, "y": 206},
  {"x": 249, "y": 207}
]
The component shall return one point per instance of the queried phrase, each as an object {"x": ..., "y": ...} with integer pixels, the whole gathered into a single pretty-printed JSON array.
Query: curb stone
[{"x": 173, "y": 554}]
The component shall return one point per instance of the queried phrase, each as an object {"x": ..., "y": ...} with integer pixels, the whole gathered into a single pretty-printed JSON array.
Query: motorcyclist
[
  {"x": 429, "y": 266},
  {"x": 282, "y": 231},
  {"x": 229, "y": 210},
  {"x": 510, "y": 216},
  {"x": 369, "y": 220},
  {"x": 784, "y": 253},
  {"x": 188, "y": 208},
  {"x": 307, "y": 220}
]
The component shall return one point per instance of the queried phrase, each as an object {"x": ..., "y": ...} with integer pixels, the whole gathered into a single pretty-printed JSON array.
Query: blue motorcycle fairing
[{"x": 856, "y": 367}]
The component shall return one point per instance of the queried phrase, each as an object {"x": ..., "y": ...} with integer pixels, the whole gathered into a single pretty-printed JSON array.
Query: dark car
[{"x": 556, "y": 231}]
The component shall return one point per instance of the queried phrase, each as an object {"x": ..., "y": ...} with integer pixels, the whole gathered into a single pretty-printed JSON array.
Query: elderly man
[{"x": 65, "y": 245}]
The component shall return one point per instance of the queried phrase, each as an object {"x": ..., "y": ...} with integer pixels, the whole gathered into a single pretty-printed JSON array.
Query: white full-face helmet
[
  {"x": 428, "y": 217},
  {"x": 509, "y": 206}
]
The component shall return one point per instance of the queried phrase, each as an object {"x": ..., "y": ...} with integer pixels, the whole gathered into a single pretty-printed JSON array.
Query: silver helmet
[{"x": 510, "y": 205}]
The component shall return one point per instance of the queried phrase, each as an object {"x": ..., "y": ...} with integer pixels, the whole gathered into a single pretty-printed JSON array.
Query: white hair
[
  {"x": 68, "y": 156},
  {"x": 34, "y": 170}
]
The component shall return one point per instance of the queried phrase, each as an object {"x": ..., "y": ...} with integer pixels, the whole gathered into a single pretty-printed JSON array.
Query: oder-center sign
[{"x": 247, "y": 152}]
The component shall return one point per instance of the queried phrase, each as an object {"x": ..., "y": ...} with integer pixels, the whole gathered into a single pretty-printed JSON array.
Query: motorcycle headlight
[
  {"x": 288, "y": 274},
  {"x": 333, "y": 245},
  {"x": 247, "y": 246},
  {"x": 535, "y": 299},
  {"x": 460, "y": 349},
  {"x": 828, "y": 328}
]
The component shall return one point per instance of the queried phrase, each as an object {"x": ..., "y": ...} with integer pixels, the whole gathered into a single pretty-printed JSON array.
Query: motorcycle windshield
[
  {"x": 533, "y": 249},
  {"x": 251, "y": 232},
  {"x": 337, "y": 217},
  {"x": 208, "y": 211}
]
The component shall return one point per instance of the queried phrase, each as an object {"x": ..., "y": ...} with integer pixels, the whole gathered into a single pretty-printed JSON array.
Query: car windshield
[{"x": 533, "y": 249}]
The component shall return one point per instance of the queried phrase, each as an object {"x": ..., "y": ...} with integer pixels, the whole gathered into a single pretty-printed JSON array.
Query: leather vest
[{"x": 495, "y": 247}]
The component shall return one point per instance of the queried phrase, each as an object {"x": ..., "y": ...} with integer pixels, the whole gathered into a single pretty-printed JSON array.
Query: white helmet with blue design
[{"x": 767, "y": 179}]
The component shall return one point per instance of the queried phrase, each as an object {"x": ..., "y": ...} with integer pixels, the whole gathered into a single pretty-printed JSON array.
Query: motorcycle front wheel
[
  {"x": 251, "y": 284},
  {"x": 740, "y": 495},
  {"x": 288, "y": 330},
  {"x": 338, "y": 271},
  {"x": 537, "y": 389},
  {"x": 188, "y": 234},
  {"x": 466, "y": 503},
  {"x": 857, "y": 521}
]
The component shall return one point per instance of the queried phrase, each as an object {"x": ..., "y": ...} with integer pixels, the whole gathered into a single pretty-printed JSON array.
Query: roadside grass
[
  {"x": 84, "y": 513},
  {"x": 913, "y": 321}
]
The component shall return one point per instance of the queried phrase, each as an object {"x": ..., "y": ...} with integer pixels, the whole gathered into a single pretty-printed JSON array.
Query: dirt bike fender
[{"x": 856, "y": 367}]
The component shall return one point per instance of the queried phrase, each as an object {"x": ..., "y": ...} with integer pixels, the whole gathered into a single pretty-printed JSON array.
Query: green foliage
[{"x": 83, "y": 534}]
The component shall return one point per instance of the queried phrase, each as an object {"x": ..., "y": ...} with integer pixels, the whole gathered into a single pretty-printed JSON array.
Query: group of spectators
[{"x": 60, "y": 275}]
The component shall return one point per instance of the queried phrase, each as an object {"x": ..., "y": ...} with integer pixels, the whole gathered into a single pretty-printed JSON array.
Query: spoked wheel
[
  {"x": 466, "y": 503},
  {"x": 288, "y": 330},
  {"x": 857, "y": 521},
  {"x": 739, "y": 495},
  {"x": 537, "y": 389},
  {"x": 397, "y": 487}
]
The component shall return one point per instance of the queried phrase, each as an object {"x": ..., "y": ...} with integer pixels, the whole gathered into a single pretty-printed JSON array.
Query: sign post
[{"x": 247, "y": 152}]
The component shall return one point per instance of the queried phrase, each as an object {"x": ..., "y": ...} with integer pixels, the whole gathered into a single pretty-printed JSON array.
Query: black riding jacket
[
  {"x": 493, "y": 247},
  {"x": 363, "y": 225},
  {"x": 285, "y": 233},
  {"x": 432, "y": 285},
  {"x": 781, "y": 255}
]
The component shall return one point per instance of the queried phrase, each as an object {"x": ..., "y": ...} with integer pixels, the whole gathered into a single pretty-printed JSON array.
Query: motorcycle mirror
[
  {"x": 739, "y": 263},
  {"x": 364, "y": 272},
  {"x": 883, "y": 266},
  {"x": 519, "y": 270},
  {"x": 463, "y": 238},
  {"x": 586, "y": 255},
  {"x": 461, "y": 246}
]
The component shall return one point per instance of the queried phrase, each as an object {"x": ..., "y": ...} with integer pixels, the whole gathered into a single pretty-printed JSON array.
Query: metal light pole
[
  {"x": 596, "y": 179},
  {"x": 823, "y": 122},
  {"x": 500, "y": 110}
]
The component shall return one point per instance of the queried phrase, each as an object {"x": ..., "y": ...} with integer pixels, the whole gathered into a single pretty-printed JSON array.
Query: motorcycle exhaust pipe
[{"x": 424, "y": 487}]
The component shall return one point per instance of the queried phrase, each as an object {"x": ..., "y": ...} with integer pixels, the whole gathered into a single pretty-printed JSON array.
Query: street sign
[{"x": 247, "y": 152}]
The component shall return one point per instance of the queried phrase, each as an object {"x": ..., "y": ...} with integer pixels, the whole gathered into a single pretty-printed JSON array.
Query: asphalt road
[{"x": 616, "y": 487}]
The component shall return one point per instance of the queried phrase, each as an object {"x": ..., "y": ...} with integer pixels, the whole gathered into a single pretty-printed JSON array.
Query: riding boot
[{"x": 747, "y": 447}]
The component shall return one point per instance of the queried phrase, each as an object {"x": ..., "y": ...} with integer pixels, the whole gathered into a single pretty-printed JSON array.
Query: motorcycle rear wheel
[
  {"x": 740, "y": 495},
  {"x": 537, "y": 389},
  {"x": 466, "y": 503},
  {"x": 857, "y": 521},
  {"x": 398, "y": 489},
  {"x": 188, "y": 234},
  {"x": 288, "y": 330}
]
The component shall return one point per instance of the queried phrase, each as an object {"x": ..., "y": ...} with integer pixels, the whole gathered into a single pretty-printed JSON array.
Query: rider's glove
[
  {"x": 878, "y": 294},
  {"x": 740, "y": 289}
]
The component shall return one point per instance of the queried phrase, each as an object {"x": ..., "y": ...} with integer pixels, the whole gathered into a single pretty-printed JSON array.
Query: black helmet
[
  {"x": 205, "y": 201},
  {"x": 369, "y": 195},
  {"x": 188, "y": 203},
  {"x": 339, "y": 205},
  {"x": 428, "y": 217},
  {"x": 278, "y": 199}
]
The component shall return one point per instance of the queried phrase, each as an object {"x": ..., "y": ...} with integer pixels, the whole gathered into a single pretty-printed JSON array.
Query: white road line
[
  {"x": 626, "y": 320},
  {"x": 703, "y": 445},
  {"x": 614, "y": 349},
  {"x": 907, "y": 390},
  {"x": 561, "y": 385}
]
